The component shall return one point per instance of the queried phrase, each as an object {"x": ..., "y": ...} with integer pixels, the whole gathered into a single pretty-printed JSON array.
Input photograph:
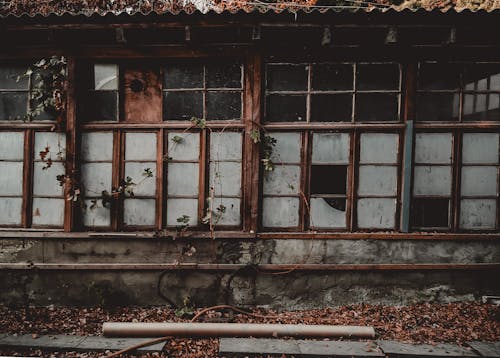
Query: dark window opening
[
  {"x": 430, "y": 212},
  {"x": 328, "y": 179}
]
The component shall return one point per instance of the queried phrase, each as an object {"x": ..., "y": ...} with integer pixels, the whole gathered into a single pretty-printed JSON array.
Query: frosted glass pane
[
  {"x": 287, "y": 148},
  {"x": 98, "y": 216},
  {"x": 146, "y": 186},
  {"x": 324, "y": 215},
  {"x": 140, "y": 146},
  {"x": 11, "y": 178},
  {"x": 56, "y": 142},
  {"x": 477, "y": 214},
  {"x": 97, "y": 146},
  {"x": 231, "y": 216},
  {"x": 376, "y": 213},
  {"x": 479, "y": 181},
  {"x": 284, "y": 179},
  {"x": 10, "y": 211},
  {"x": 225, "y": 146},
  {"x": 480, "y": 148},
  {"x": 45, "y": 180},
  {"x": 225, "y": 178},
  {"x": 12, "y": 145},
  {"x": 96, "y": 177},
  {"x": 187, "y": 146},
  {"x": 183, "y": 178},
  {"x": 176, "y": 208},
  {"x": 331, "y": 148},
  {"x": 139, "y": 212},
  {"x": 432, "y": 180},
  {"x": 105, "y": 77},
  {"x": 433, "y": 148},
  {"x": 379, "y": 148},
  {"x": 377, "y": 180},
  {"x": 48, "y": 212},
  {"x": 280, "y": 212}
]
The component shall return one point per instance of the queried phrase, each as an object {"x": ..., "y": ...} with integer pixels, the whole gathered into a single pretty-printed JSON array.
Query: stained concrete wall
[{"x": 295, "y": 290}]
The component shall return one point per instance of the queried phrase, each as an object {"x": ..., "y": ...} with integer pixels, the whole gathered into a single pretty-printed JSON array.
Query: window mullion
[
  {"x": 27, "y": 211},
  {"x": 457, "y": 172}
]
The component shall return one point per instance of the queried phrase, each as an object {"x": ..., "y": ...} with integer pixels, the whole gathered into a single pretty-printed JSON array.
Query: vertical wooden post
[
  {"x": 27, "y": 208},
  {"x": 406, "y": 177}
]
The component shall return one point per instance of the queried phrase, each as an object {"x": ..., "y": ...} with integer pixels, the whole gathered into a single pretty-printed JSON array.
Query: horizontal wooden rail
[{"x": 256, "y": 268}]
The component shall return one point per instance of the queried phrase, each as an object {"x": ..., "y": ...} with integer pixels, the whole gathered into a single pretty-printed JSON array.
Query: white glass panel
[
  {"x": 432, "y": 180},
  {"x": 330, "y": 148},
  {"x": 56, "y": 142},
  {"x": 176, "y": 208},
  {"x": 105, "y": 77},
  {"x": 478, "y": 214},
  {"x": 480, "y": 148},
  {"x": 145, "y": 185},
  {"x": 225, "y": 178},
  {"x": 280, "y": 212},
  {"x": 479, "y": 180},
  {"x": 98, "y": 216},
  {"x": 96, "y": 177},
  {"x": 187, "y": 146},
  {"x": 139, "y": 212},
  {"x": 324, "y": 215},
  {"x": 11, "y": 178},
  {"x": 377, "y": 180},
  {"x": 97, "y": 146},
  {"x": 494, "y": 101},
  {"x": 225, "y": 146},
  {"x": 9, "y": 78},
  {"x": 284, "y": 179},
  {"x": 48, "y": 211},
  {"x": 287, "y": 148},
  {"x": 183, "y": 178},
  {"x": 12, "y": 145},
  {"x": 231, "y": 216},
  {"x": 140, "y": 146},
  {"x": 433, "y": 148},
  {"x": 379, "y": 148},
  {"x": 45, "y": 180},
  {"x": 376, "y": 213},
  {"x": 10, "y": 211}
]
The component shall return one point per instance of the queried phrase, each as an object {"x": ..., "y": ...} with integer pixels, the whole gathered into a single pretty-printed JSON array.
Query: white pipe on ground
[{"x": 126, "y": 329}]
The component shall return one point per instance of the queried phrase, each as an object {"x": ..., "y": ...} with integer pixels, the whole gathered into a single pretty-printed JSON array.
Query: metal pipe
[{"x": 127, "y": 329}]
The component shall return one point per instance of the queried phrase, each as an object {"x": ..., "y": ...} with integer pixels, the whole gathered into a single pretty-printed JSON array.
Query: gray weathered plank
[
  {"x": 486, "y": 349},
  {"x": 103, "y": 344},
  {"x": 338, "y": 349},
  {"x": 398, "y": 349},
  {"x": 254, "y": 346}
]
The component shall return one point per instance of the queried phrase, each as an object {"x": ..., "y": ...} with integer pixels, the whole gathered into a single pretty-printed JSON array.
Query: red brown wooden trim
[
  {"x": 160, "y": 184},
  {"x": 456, "y": 125},
  {"x": 116, "y": 177},
  {"x": 204, "y": 167},
  {"x": 332, "y": 126},
  {"x": 305, "y": 181},
  {"x": 166, "y": 124},
  {"x": 27, "y": 209},
  {"x": 457, "y": 172},
  {"x": 353, "y": 175},
  {"x": 255, "y": 268}
]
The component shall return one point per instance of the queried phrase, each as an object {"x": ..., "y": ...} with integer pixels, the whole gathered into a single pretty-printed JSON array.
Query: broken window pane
[
  {"x": 139, "y": 212},
  {"x": 480, "y": 148},
  {"x": 105, "y": 77},
  {"x": 13, "y": 105},
  {"x": 430, "y": 212},
  {"x": 283, "y": 180},
  {"x": 328, "y": 213},
  {"x": 96, "y": 215},
  {"x": 379, "y": 148},
  {"x": 328, "y": 179},
  {"x": 286, "y": 108},
  {"x": 182, "y": 179},
  {"x": 478, "y": 181},
  {"x": 280, "y": 212},
  {"x": 101, "y": 106},
  {"x": 330, "y": 148},
  {"x": 45, "y": 181},
  {"x": 224, "y": 76},
  {"x": 10, "y": 210},
  {"x": 437, "y": 106},
  {"x": 11, "y": 145},
  {"x": 11, "y": 178},
  {"x": 225, "y": 146},
  {"x": 97, "y": 146},
  {"x": 332, "y": 77},
  {"x": 377, "y": 180},
  {"x": 481, "y": 107},
  {"x": 146, "y": 186},
  {"x": 9, "y": 78},
  {"x": 379, "y": 107},
  {"x": 225, "y": 178},
  {"x": 183, "y": 146},
  {"x": 177, "y": 208},
  {"x": 376, "y": 213},
  {"x": 48, "y": 212},
  {"x": 223, "y": 105},
  {"x": 140, "y": 146},
  {"x": 287, "y": 77},
  {"x": 482, "y": 77},
  {"x": 331, "y": 108},
  {"x": 433, "y": 148},
  {"x": 377, "y": 77},
  {"x": 442, "y": 76},
  {"x": 182, "y": 105},
  {"x": 477, "y": 214},
  {"x": 183, "y": 76},
  {"x": 287, "y": 148},
  {"x": 432, "y": 180}
]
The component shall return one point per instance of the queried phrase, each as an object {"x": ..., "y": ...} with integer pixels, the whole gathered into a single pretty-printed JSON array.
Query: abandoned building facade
[{"x": 293, "y": 156}]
